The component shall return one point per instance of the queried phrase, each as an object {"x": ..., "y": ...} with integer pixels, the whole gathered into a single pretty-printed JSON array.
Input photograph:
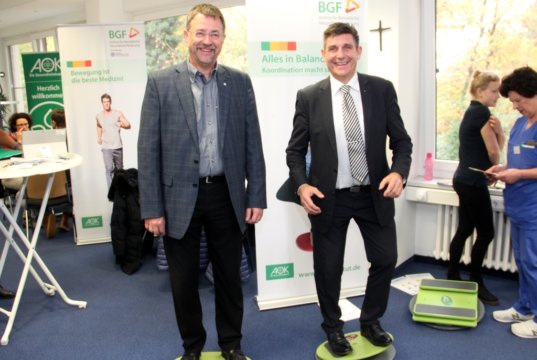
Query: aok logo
[
  {"x": 46, "y": 65},
  {"x": 447, "y": 300},
  {"x": 92, "y": 222},
  {"x": 280, "y": 271},
  {"x": 333, "y": 7}
]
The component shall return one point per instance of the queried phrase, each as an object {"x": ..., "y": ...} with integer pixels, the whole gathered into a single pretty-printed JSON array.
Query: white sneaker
[
  {"x": 510, "y": 316},
  {"x": 526, "y": 329}
]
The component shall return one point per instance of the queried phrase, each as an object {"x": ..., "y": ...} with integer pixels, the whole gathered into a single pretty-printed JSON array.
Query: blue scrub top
[{"x": 520, "y": 198}]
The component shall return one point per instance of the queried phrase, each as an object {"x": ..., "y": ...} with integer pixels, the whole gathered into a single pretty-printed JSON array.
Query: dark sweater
[{"x": 472, "y": 149}]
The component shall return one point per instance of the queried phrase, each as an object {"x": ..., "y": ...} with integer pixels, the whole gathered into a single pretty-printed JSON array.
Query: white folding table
[{"x": 16, "y": 237}]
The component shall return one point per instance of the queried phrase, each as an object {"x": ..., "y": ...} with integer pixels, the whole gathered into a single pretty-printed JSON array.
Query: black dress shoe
[
  {"x": 6, "y": 294},
  {"x": 191, "y": 356},
  {"x": 486, "y": 296},
  {"x": 483, "y": 293},
  {"x": 376, "y": 335},
  {"x": 233, "y": 354},
  {"x": 339, "y": 345}
]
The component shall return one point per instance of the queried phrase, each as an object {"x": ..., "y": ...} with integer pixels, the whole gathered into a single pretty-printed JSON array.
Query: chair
[
  {"x": 59, "y": 201},
  {"x": 9, "y": 195}
]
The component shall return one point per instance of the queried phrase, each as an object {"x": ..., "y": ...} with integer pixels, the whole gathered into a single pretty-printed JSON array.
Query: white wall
[{"x": 399, "y": 62}]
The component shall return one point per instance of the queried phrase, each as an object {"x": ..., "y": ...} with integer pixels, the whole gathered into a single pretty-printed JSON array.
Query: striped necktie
[{"x": 355, "y": 139}]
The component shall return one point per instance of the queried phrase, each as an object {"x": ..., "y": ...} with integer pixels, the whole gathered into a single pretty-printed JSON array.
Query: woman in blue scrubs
[{"x": 520, "y": 198}]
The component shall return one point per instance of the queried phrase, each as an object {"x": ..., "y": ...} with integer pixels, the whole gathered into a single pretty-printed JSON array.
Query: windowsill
[
  {"x": 446, "y": 184},
  {"x": 440, "y": 192}
]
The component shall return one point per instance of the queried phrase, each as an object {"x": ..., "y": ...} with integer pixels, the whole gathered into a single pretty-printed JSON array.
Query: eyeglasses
[{"x": 202, "y": 35}]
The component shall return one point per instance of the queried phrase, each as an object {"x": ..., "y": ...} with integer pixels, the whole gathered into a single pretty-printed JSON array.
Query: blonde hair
[{"x": 481, "y": 80}]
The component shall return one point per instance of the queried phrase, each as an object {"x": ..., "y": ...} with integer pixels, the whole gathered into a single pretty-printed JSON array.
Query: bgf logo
[
  {"x": 117, "y": 34},
  {"x": 334, "y": 7},
  {"x": 121, "y": 34},
  {"x": 46, "y": 65}
]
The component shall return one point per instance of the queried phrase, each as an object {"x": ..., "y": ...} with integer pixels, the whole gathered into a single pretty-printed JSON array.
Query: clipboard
[
  {"x": 476, "y": 169},
  {"x": 481, "y": 171}
]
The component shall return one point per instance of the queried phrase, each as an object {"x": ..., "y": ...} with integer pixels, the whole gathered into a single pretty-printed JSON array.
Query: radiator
[{"x": 499, "y": 255}]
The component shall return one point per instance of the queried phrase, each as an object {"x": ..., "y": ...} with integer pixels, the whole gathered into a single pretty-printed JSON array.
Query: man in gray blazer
[
  {"x": 332, "y": 194},
  {"x": 201, "y": 164}
]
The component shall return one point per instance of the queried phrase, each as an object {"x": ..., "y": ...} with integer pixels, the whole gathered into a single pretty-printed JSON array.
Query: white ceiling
[
  {"x": 25, "y": 13},
  {"x": 19, "y": 17}
]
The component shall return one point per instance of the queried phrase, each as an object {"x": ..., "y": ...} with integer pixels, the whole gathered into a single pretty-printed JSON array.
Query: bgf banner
[
  {"x": 104, "y": 75},
  {"x": 42, "y": 74}
]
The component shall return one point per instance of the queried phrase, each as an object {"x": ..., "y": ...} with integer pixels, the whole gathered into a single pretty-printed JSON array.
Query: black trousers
[
  {"x": 380, "y": 245},
  {"x": 475, "y": 212},
  {"x": 213, "y": 212}
]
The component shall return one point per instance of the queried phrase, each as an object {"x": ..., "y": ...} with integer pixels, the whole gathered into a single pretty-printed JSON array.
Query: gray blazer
[{"x": 168, "y": 147}]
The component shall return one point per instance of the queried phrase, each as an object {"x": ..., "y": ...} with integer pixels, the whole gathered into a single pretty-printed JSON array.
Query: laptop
[
  {"x": 447, "y": 302},
  {"x": 39, "y": 144}
]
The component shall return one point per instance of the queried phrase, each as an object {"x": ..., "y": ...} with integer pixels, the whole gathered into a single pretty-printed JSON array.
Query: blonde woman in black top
[{"x": 481, "y": 140}]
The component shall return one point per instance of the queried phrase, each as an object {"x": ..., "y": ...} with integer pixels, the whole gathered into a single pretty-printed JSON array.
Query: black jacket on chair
[{"x": 127, "y": 227}]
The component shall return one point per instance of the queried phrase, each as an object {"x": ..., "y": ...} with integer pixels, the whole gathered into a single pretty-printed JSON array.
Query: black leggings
[{"x": 475, "y": 212}]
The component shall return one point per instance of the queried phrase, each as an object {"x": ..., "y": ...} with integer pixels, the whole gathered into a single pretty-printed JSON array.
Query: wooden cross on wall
[{"x": 380, "y": 30}]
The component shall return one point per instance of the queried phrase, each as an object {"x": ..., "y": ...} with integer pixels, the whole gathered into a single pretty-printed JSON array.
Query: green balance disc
[{"x": 362, "y": 349}]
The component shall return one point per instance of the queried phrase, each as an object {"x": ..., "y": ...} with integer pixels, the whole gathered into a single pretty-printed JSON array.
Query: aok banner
[
  {"x": 42, "y": 74},
  {"x": 103, "y": 75}
]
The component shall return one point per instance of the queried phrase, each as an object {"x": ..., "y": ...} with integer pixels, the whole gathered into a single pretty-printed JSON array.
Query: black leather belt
[
  {"x": 357, "y": 188},
  {"x": 212, "y": 179}
]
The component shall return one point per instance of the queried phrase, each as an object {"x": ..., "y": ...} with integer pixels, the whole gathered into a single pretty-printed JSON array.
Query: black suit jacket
[{"x": 313, "y": 125}]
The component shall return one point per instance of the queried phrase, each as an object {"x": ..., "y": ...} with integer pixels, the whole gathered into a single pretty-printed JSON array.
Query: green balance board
[{"x": 446, "y": 302}]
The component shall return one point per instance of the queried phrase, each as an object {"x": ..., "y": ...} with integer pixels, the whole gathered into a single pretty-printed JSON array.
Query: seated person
[
  {"x": 18, "y": 122},
  {"x": 58, "y": 119},
  {"x": 7, "y": 142}
]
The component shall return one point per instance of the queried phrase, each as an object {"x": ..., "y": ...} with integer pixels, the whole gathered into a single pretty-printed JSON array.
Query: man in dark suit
[
  {"x": 332, "y": 194},
  {"x": 201, "y": 164}
]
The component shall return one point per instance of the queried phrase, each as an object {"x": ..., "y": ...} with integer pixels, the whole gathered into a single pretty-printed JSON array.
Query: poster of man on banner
[{"x": 103, "y": 77}]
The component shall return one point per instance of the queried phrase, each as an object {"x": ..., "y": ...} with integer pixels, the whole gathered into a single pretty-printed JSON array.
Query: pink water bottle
[{"x": 428, "y": 174}]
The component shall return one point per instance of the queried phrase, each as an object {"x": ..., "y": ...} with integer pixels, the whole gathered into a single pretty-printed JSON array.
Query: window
[
  {"x": 165, "y": 46},
  {"x": 17, "y": 75},
  {"x": 496, "y": 35}
]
